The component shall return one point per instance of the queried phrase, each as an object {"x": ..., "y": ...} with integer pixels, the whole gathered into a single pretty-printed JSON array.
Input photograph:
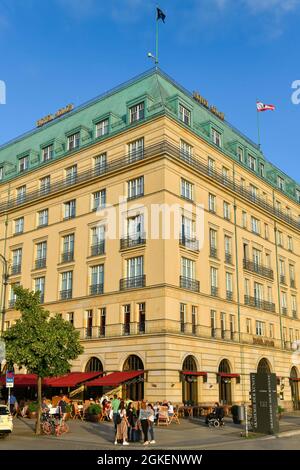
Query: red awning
[
  {"x": 229, "y": 376},
  {"x": 71, "y": 380},
  {"x": 188, "y": 372},
  {"x": 295, "y": 379},
  {"x": 114, "y": 379}
]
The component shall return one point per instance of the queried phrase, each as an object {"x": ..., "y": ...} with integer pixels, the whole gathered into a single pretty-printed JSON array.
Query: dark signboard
[{"x": 264, "y": 403}]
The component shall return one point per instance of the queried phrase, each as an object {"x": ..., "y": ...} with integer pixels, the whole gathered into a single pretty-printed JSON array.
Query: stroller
[{"x": 216, "y": 419}]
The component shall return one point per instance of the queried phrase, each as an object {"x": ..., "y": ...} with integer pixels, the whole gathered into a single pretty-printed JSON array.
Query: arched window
[
  {"x": 189, "y": 364},
  {"x": 225, "y": 392},
  {"x": 94, "y": 365},
  {"x": 133, "y": 362},
  {"x": 189, "y": 383},
  {"x": 263, "y": 366},
  {"x": 224, "y": 366},
  {"x": 135, "y": 388}
]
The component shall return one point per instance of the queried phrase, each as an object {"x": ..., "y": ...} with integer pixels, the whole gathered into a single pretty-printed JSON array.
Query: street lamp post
[{"x": 5, "y": 278}]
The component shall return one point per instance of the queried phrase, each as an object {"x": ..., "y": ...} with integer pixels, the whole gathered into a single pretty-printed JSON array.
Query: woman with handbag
[{"x": 122, "y": 425}]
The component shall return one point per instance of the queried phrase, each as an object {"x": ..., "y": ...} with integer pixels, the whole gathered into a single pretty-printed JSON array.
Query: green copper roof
[{"x": 162, "y": 96}]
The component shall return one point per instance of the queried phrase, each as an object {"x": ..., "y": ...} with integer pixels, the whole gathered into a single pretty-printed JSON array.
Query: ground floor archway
[
  {"x": 263, "y": 366},
  {"x": 190, "y": 382},
  {"x": 135, "y": 389},
  {"x": 225, "y": 392},
  {"x": 294, "y": 383},
  {"x": 94, "y": 365}
]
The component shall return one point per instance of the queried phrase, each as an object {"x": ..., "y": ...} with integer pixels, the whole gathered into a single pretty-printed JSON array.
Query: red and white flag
[{"x": 264, "y": 107}]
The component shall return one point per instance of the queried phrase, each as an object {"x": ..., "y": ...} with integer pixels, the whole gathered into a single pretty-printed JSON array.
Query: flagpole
[
  {"x": 156, "y": 43},
  {"x": 258, "y": 126}
]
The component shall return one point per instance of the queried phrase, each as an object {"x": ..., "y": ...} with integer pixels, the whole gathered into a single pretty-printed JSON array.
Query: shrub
[
  {"x": 33, "y": 406},
  {"x": 280, "y": 409},
  {"x": 94, "y": 409}
]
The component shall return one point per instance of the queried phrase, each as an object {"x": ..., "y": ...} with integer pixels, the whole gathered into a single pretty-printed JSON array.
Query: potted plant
[
  {"x": 280, "y": 410},
  {"x": 68, "y": 411},
  {"x": 32, "y": 409},
  {"x": 93, "y": 413}
]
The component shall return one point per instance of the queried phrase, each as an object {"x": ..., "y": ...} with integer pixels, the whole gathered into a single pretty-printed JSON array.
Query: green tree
[{"x": 42, "y": 343}]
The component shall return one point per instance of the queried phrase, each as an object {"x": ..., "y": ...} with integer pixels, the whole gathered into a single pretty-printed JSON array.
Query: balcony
[
  {"x": 40, "y": 263},
  {"x": 67, "y": 256},
  {"x": 282, "y": 279},
  {"x": 229, "y": 295},
  {"x": 214, "y": 291},
  {"x": 190, "y": 284},
  {"x": 66, "y": 294},
  {"x": 132, "y": 241},
  {"x": 293, "y": 283},
  {"x": 16, "y": 269},
  {"x": 70, "y": 216},
  {"x": 258, "y": 303},
  {"x": 228, "y": 258},
  {"x": 284, "y": 310},
  {"x": 132, "y": 282},
  {"x": 258, "y": 269},
  {"x": 98, "y": 248},
  {"x": 294, "y": 313},
  {"x": 213, "y": 252},
  {"x": 190, "y": 243},
  {"x": 96, "y": 289},
  {"x": 161, "y": 149}
]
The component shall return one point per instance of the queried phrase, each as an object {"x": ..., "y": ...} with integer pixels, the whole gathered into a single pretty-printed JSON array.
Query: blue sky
[{"x": 232, "y": 51}]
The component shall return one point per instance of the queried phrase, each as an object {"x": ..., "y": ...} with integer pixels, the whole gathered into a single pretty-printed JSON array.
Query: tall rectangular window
[
  {"x": 290, "y": 243},
  {"x": 102, "y": 314},
  {"x": 71, "y": 174},
  {"x": 280, "y": 183},
  {"x": 21, "y": 194},
  {"x": 19, "y": 225},
  {"x": 213, "y": 324},
  {"x": 186, "y": 189},
  {"x": 216, "y": 137},
  {"x": 248, "y": 326},
  {"x": 187, "y": 268},
  {"x": 16, "y": 261},
  {"x": 23, "y": 164},
  {"x": 1, "y": 173},
  {"x": 45, "y": 183},
  {"x": 97, "y": 279},
  {"x": 244, "y": 219},
  {"x": 70, "y": 209},
  {"x": 226, "y": 210},
  {"x": 98, "y": 240},
  {"x": 252, "y": 162},
  {"x": 186, "y": 150},
  {"x": 232, "y": 326},
  {"x": 126, "y": 313},
  {"x": 136, "y": 187},
  {"x": 43, "y": 217},
  {"x": 66, "y": 285},
  {"x": 39, "y": 285},
  {"x": 260, "y": 328},
  {"x": 211, "y": 166},
  {"x": 255, "y": 225},
  {"x": 241, "y": 154},
  {"x": 41, "y": 255},
  {"x": 223, "y": 324},
  {"x": 47, "y": 153},
  {"x": 184, "y": 115},
  {"x": 229, "y": 286},
  {"x": 99, "y": 199},
  {"x": 136, "y": 150},
  {"x": 73, "y": 141},
  {"x": 135, "y": 267},
  {"x": 212, "y": 203},
  {"x": 214, "y": 281},
  {"x": 142, "y": 317},
  {"x": 100, "y": 162},
  {"x": 102, "y": 128},
  {"x": 182, "y": 317},
  {"x": 137, "y": 112},
  {"x": 194, "y": 318},
  {"x": 68, "y": 247}
]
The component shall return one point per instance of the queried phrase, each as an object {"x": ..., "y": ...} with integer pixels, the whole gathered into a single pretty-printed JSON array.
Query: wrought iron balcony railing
[
  {"x": 188, "y": 283},
  {"x": 96, "y": 289},
  {"x": 98, "y": 248},
  {"x": 228, "y": 258},
  {"x": 67, "y": 256},
  {"x": 258, "y": 269},
  {"x": 214, "y": 291},
  {"x": 16, "y": 269},
  {"x": 132, "y": 241},
  {"x": 132, "y": 282},
  {"x": 293, "y": 283},
  {"x": 284, "y": 310},
  {"x": 66, "y": 294},
  {"x": 258, "y": 303},
  {"x": 190, "y": 243},
  {"x": 229, "y": 295},
  {"x": 282, "y": 279},
  {"x": 40, "y": 263},
  {"x": 213, "y": 252}
]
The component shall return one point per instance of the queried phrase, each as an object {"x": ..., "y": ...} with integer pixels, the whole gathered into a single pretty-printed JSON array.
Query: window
[
  {"x": 136, "y": 187},
  {"x": 135, "y": 226},
  {"x": 100, "y": 162},
  {"x": 66, "y": 285},
  {"x": 256, "y": 258},
  {"x": 70, "y": 209},
  {"x": 16, "y": 261},
  {"x": 255, "y": 225},
  {"x": 23, "y": 164},
  {"x": 278, "y": 206},
  {"x": 73, "y": 141},
  {"x": 1, "y": 173},
  {"x": 284, "y": 333},
  {"x": 280, "y": 183},
  {"x": 268, "y": 260},
  {"x": 262, "y": 170},
  {"x": 292, "y": 275},
  {"x": 260, "y": 328},
  {"x": 182, "y": 316},
  {"x": 45, "y": 184},
  {"x": 244, "y": 219},
  {"x": 184, "y": 115},
  {"x": 97, "y": 279},
  {"x": 213, "y": 325},
  {"x": 223, "y": 324},
  {"x": 136, "y": 150},
  {"x": 43, "y": 217},
  {"x": 194, "y": 319},
  {"x": 71, "y": 174},
  {"x": 252, "y": 162},
  {"x": 186, "y": 189},
  {"x": 102, "y": 313},
  {"x": 216, "y": 137},
  {"x": 21, "y": 194},
  {"x": 99, "y": 199},
  {"x": 47, "y": 153},
  {"x": 187, "y": 228},
  {"x": 187, "y": 268},
  {"x": 225, "y": 175},
  {"x": 298, "y": 195},
  {"x": 39, "y": 285},
  {"x": 253, "y": 191},
  {"x": 258, "y": 293},
  {"x": 41, "y": 255},
  {"x": 19, "y": 225},
  {"x": 270, "y": 294},
  {"x": 70, "y": 317},
  {"x": 290, "y": 243},
  {"x": 279, "y": 237},
  {"x": 271, "y": 330},
  {"x": 213, "y": 241},
  {"x": 211, "y": 166},
  {"x": 294, "y": 305},
  {"x": 240, "y": 153},
  {"x": 186, "y": 150},
  {"x": 137, "y": 112},
  {"x": 283, "y": 302},
  {"x": 281, "y": 268},
  {"x": 231, "y": 326},
  {"x": 247, "y": 287},
  {"x": 266, "y": 232},
  {"x": 126, "y": 313},
  {"x": 68, "y": 247},
  {"x": 228, "y": 249},
  {"x": 135, "y": 267},
  {"x": 98, "y": 234},
  {"x": 142, "y": 317},
  {"x": 211, "y": 203},
  {"x": 291, "y": 335},
  {"x": 248, "y": 326},
  {"x": 214, "y": 281},
  {"x": 13, "y": 297},
  {"x": 226, "y": 210},
  {"x": 229, "y": 286},
  {"x": 102, "y": 128}
]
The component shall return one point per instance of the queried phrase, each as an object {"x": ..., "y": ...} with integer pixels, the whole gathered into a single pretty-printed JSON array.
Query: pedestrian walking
[
  {"x": 115, "y": 408},
  {"x": 151, "y": 419},
  {"x": 122, "y": 425},
  {"x": 143, "y": 416}
]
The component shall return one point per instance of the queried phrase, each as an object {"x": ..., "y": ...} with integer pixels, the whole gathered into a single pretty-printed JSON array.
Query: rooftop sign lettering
[
  {"x": 51, "y": 117},
  {"x": 204, "y": 102}
]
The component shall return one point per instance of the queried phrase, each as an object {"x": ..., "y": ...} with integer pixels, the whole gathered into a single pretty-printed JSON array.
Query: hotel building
[{"x": 194, "y": 312}]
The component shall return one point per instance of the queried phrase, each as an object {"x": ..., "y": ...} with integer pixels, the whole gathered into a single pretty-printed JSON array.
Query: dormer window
[
  {"x": 216, "y": 137},
  {"x": 1, "y": 173},
  {"x": 252, "y": 162},
  {"x": 73, "y": 141},
  {"x": 280, "y": 183},
  {"x": 47, "y": 153},
  {"x": 102, "y": 128},
  {"x": 240, "y": 154},
  {"x": 262, "y": 170},
  {"x": 23, "y": 164},
  {"x": 137, "y": 112},
  {"x": 184, "y": 115},
  {"x": 298, "y": 195}
]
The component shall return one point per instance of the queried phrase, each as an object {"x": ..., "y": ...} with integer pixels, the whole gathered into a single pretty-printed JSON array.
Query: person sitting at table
[
  {"x": 170, "y": 409},
  {"x": 217, "y": 413}
]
